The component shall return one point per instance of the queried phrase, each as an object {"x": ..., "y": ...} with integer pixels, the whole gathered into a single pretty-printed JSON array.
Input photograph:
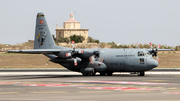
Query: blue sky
[{"x": 121, "y": 21}]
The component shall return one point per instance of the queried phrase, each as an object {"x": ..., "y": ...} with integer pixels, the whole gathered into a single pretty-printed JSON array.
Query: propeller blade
[
  {"x": 101, "y": 62},
  {"x": 73, "y": 44},
  {"x": 75, "y": 62},
  {"x": 91, "y": 60},
  {"x": 159, "y": 46},
  {"x": 81, "y": 51},
  {"x": 68, "y": 54},
  {"x": 150, "y": 44},
  {"x": 137, "y": 44},
  {"x": 157, "y": 58}
]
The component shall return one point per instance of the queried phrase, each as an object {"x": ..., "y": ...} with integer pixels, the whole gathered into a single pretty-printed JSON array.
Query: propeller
[
  {"x": 137, "y": 44},
  {"x": 74, "y": 53},
  {"x": 96, "y": 57},
  {"x": 154, "y": 52}
]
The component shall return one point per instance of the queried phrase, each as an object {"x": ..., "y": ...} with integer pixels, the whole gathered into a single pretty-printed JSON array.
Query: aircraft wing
[
  {"x": 160, "y": 49},
  {"x": 36, "y": 51}
]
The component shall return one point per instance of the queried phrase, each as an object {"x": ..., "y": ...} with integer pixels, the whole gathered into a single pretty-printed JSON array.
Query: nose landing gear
[{"x": 141, "y": 73}]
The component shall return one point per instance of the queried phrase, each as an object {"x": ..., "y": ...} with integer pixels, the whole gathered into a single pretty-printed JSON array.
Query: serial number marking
[{"x": 125, "y": 55}]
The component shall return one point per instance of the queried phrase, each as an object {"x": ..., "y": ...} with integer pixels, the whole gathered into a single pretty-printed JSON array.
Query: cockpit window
[
  {"x": 140, "y": 53},
  {"x": 148, "y": 53}
]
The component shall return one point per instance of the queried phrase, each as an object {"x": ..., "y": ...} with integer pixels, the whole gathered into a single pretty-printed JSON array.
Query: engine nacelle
[
  {"x": 99, "y": 67},
  {"x": 65, "y": 54},
  {"x": 87, "y": 70}
]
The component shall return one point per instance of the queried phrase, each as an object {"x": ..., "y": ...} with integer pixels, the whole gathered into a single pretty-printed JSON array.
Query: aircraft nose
[
  {"x": 156, "y": 63},
  {"x": 152, "y": 63}
]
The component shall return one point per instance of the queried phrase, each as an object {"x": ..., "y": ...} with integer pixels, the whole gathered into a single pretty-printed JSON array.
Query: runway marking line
[
  {"x": 120, "y": 88},
  {"x": 156, "y": 80},
  {"x": 92, "y": 91},
  {"x": 2, "y": 83},
  {"x": 139, "y": 91},
  {"x": 48, "y": 92},
  {"x": 123, "y": 82},
  {"x": 171, "y": 88},
  {"x": 9, "y": 92},
  {"x": 50, "y": 85},
  {"x": 171, "y": 92}
]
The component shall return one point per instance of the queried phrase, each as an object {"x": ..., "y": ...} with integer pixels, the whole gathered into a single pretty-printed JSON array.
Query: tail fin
[{"x": 43, "y": 38}]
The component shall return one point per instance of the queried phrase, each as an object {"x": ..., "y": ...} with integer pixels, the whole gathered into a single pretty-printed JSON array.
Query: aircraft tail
[{"x": 43, "y": 38}]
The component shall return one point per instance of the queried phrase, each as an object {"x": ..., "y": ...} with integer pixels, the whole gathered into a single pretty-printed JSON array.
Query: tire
[
  {"x": 85, "y": 74},
  {"x": 102, "y": 73},
  {"x": 141, "y": 74},
  {"x": 109, "y": 73}
]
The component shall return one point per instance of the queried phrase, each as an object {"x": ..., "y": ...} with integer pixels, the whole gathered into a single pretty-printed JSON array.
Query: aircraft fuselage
[{"x": 117, "y": 60}]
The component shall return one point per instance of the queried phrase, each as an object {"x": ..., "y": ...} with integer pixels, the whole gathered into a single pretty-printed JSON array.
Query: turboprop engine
[{"x": 94, "y": 67}]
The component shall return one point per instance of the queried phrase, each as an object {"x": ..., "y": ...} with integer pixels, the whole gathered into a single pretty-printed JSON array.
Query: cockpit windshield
[
  {"x": 140, "y": 53},
  {"x": 148, "y": 53}
]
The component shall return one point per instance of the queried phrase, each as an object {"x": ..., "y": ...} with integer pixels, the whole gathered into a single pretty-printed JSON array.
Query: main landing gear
[
  {"x": 141, "y": 73},
  {"x": 101, "y": 73},
  {"x": 106, "y": 73},
  {"x": 89, "y": 74}
]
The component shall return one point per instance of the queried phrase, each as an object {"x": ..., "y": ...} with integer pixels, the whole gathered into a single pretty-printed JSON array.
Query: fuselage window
[
  {"x": 141, "y": 60},
  {"x": 140, "y": 53}
]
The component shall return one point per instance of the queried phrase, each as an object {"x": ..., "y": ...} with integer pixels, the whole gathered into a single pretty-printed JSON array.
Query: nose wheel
[{"x": 141, "y": 73}]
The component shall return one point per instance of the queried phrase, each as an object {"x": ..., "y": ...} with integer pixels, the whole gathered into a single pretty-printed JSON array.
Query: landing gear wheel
[
  {"x": 102, "y": 73},
  {"x": 109, "y": 73},
  {"x": 94, "y": 73},
  {"x": 85, "y": 74},
  {"x": 141, "y": 74}
]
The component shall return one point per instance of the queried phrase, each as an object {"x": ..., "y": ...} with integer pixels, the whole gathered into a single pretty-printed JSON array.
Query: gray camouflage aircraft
[{"x": 90, "y": 61}]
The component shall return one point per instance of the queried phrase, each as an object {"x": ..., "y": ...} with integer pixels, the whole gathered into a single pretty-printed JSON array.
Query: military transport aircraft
[{"x": 90, "y": 61}]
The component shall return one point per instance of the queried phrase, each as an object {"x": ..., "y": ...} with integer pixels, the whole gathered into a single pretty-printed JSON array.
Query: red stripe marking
[
  {"x": 125, "y": 82},
  {"x": 49, "y": 85},
  {"x": 120, "y": 88},
  {"x": 7, "y": 82},
  {"x": 108, "y": 58},
  {"x": 173, "y": 92}
]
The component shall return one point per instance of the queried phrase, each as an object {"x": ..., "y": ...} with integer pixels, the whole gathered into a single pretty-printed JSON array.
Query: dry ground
[{"x": 167, "y": 60}]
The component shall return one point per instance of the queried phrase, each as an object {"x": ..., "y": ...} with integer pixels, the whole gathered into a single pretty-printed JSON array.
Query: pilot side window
[
  {"x": 141, "y": 60},
  {"x": 140, "y": 53}
]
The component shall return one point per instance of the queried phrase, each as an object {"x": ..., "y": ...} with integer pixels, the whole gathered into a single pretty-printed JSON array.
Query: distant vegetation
[
  {"x": 76, "y": 38},
  {"x": 79, "y": 39},
  {"x": 91, "y": 40}
]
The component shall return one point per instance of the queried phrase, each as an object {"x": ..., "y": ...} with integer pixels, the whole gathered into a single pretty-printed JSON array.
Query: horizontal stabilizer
[{"x": 36, "y": 51}]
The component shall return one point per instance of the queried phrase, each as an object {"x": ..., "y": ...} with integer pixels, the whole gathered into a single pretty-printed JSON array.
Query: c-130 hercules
[{"x": 90, "y": 61}]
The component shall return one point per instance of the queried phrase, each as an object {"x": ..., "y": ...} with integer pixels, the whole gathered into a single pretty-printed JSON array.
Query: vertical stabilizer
[{"x": 43, "y": 38}]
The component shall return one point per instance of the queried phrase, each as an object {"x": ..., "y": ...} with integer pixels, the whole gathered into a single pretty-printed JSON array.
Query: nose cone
[
  {"x": 152, "y": 63},
  {"x": 156, "y": 63}
]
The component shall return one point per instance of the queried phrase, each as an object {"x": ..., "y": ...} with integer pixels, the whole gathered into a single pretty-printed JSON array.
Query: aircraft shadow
[{"x": 16, "y": 77}]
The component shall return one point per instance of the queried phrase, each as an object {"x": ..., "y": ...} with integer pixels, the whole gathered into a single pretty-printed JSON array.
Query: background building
[{"x": 71, "y": 27}]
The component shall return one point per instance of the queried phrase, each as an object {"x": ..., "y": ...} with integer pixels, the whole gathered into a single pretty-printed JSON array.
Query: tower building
[{"x": 71, "y": 27}]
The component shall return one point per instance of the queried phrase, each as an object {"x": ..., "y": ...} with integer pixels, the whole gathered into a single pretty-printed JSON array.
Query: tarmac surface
[{"x": 72, "y": 86}]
